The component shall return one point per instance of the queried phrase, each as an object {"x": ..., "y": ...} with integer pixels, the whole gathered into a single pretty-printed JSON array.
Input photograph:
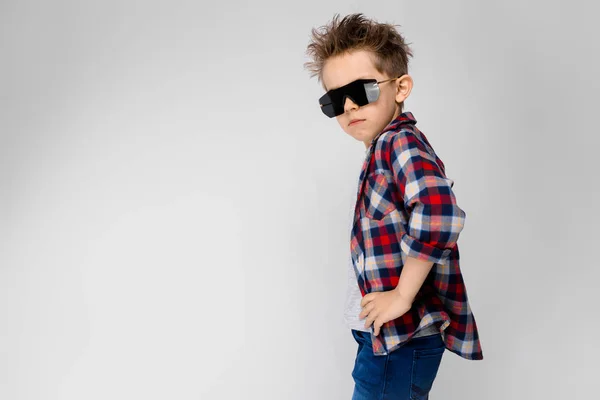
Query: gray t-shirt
[{"x": 354, "y": 297}]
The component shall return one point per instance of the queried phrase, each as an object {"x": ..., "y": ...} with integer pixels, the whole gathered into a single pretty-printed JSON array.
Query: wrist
[{"x": 406, "y": 297}]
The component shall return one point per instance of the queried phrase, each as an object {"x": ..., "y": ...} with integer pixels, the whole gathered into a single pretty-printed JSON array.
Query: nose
[{"x": 349, "y": 104}]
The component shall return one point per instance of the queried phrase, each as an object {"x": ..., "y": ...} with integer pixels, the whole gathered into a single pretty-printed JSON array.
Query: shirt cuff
[{"x": 424, "y": 251}]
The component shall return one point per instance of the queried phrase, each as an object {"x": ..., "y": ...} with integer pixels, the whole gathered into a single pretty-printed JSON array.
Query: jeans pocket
[{"x": 426, "y": 363}]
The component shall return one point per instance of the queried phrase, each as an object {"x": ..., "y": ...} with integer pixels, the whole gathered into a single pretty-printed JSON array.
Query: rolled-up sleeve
[{"x": 435, "y": 219}]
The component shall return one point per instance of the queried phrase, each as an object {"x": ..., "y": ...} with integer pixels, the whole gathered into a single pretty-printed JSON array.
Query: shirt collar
[{"x": 404, "y": 118}]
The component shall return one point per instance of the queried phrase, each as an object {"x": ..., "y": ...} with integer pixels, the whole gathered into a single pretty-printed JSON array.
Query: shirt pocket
[{"x": 378, "y": 200}]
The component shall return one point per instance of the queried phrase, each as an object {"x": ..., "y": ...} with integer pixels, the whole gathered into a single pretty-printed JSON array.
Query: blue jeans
[{"x": 406, "y": 373}]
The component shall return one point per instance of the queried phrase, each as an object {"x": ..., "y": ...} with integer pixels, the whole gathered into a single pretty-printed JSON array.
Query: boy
[{"x": 408, "y": 287}]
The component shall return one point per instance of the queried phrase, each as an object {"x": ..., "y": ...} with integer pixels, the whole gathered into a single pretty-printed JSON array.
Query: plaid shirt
[{"x": 405, "y": 206}]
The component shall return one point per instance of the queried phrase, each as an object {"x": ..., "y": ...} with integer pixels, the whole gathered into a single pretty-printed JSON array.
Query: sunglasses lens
[
  {"x": 328, "y": 110},
  {"x": 371, "y": 91}
]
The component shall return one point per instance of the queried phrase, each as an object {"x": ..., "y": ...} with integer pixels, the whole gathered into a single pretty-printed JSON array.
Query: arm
[
  {"x": 412, "y": 277},
  {"x": 435, "y": 219}
]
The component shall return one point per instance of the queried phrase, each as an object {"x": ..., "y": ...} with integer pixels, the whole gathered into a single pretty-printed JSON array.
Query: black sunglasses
[{"x": 361, "y": 92}]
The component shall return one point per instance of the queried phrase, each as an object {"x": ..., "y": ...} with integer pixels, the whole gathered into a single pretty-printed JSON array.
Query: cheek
[
  {"x": 385, "y": 108},
  {"x": 341, "y": 123}
]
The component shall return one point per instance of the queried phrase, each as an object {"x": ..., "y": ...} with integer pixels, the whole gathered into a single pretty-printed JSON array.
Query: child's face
[{"x": 343, "y": 69}]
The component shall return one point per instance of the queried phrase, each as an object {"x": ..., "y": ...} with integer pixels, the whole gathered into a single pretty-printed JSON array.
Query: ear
[{"x": 404, "y": 86}]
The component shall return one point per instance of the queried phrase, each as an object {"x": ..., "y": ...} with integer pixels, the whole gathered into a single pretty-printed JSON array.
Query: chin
[{"x": 362, "y": 138}]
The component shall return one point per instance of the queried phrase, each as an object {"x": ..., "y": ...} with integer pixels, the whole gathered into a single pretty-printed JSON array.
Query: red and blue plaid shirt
[{"x": 405, "y": 207}]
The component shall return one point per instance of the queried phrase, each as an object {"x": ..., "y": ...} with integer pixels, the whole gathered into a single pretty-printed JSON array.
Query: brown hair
[{"x": 356, "y": 32}]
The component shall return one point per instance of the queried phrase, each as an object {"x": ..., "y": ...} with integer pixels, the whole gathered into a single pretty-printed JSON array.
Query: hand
[{"x": 381, "y": 307}]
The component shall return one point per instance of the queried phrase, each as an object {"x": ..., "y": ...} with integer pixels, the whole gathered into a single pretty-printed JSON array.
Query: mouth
[{"x": 355, "y": 122}]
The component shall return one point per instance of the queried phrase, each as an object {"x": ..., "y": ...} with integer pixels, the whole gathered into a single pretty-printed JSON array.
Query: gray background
[{"x": 173, "y": 205}]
